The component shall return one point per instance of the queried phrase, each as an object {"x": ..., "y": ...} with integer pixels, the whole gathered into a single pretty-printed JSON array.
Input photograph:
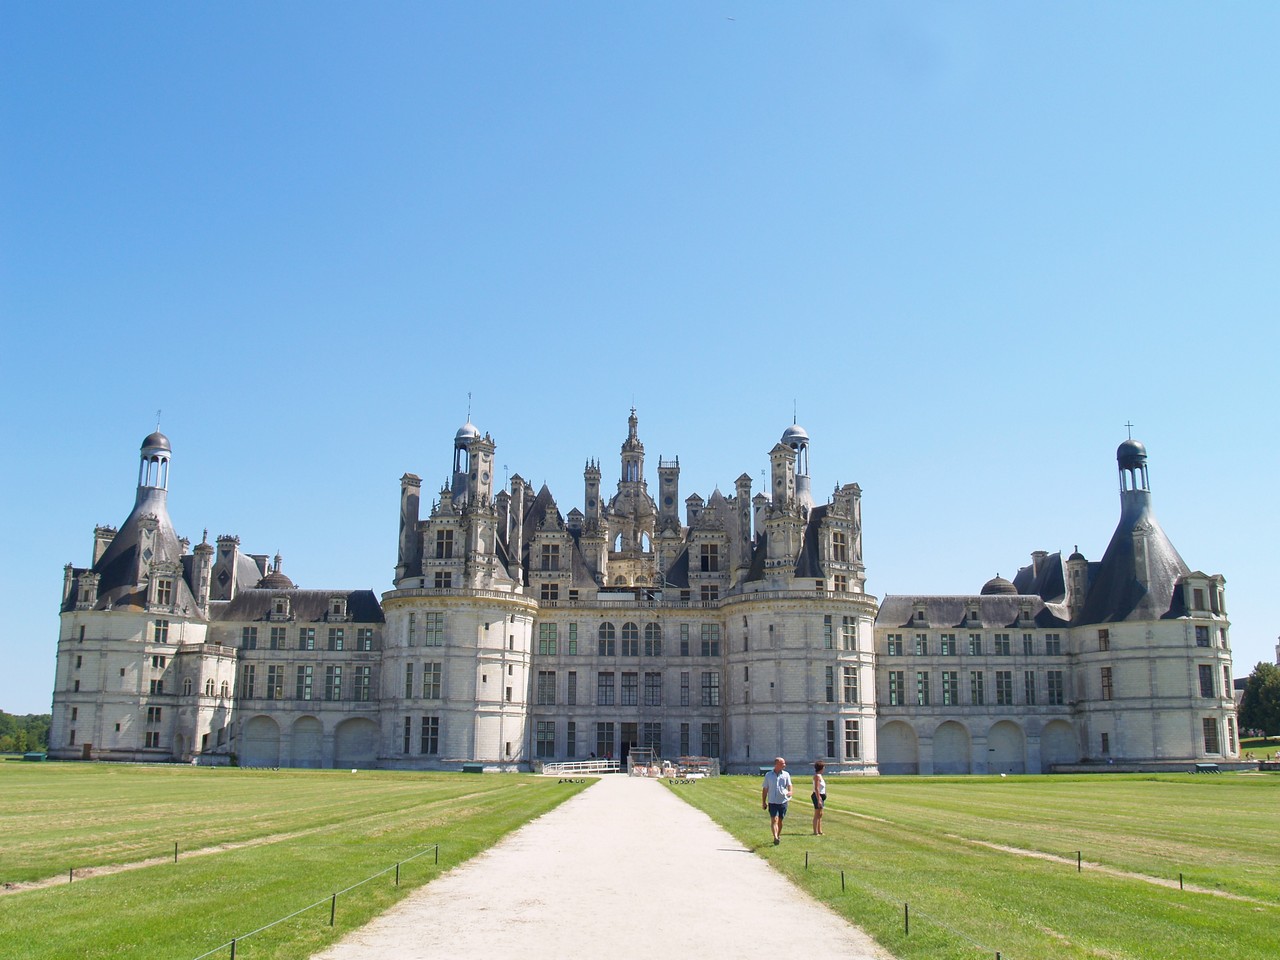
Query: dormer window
[
  {"x": 337, "y": 608},
  {"x": 164, "y": 592},
  {"x": 281, "y": 608}
]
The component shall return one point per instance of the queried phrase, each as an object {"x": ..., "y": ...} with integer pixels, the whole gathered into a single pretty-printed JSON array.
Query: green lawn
[
  {"x": 932, "y": 843},
  {"x": 254, "y": 846}
]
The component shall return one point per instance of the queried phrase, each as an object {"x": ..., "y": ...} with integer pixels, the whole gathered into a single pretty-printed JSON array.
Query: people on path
[
  {"x": 775, "y": 796},
  {"x": 819, "y": 796}
]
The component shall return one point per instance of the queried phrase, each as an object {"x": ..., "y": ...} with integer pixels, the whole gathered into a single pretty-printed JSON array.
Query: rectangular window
[
  {"x": 922, "y": 688},
  {"x": 412, "y": 630},
  {"x": 164, "y": 592},
  {"x": 604, "y": 689},
  {"x": 831, "y": 684},
  {"x": 1004, "y": 688},
  {"x": 302, "y": 685},
  {"x": 278, "y": 635},
  {"x": 977, "y": 693},
  {"x": 1028, "y": 644},
  {"x": 443, "y": 580},
  {"x": 895, "y": 644},
  {"x": 573, "y": 640},
  {"x": 333, "y": 682},
  {"x": 897, "y": 688},
  {"x": 571, "y": 689},
  {"x": 711, "y": 689},
  {"x": 1029, "y": 687},
  {"x": 948, "y": 642},
  {"x": 1226, "y": 682},
  {"x": 1056, "y": 696},
  {"x": 1211, "y": 744},
  {"x": 431, "y": 680},
  {"x": 444, "y": 544},
  {"x": 1004, "y": 647},
  {"x": 362, "y": 691},
  {"x": 162, "y": 631},
  {"x": 570, "y": 739},
  {"x": 852, "y": 748},
  {"x": 549, "y": 593},
  {"x": 152, "y": 738},
  {"x": 684, "y": 689},
  {"x": 839, "y": 547},
  {"x": 1104, "y": 640},
  {"x": 950, "y": 688},
  {"x": 653, "y": 689},
  {"x": 337, "y": 638},
  {"x": 1053, "y": 644},
  {"x": 408, "y": 680},
  {"x": 275, "y": 681},
  {"x": 433, "y": 629},
  {"x": 831, "y": 739},
  {"x": 975, "y": 644},
  {"x": 711, "y": 639},
  {"x": 828, "y": 642},
  {"x": 156, "y": 687},
  {"x": 364, "y": 638},
  {"x": 850, "y": 684},
  {"x": 709, "y": 592},
  {"x": 1106, "y": 683},
  {"x": 651, "y": 736},
  {"x": 711, "y": 740},
  {"x": 429, "y": 741},
  {"x": 849, "y": 633},
  {"x": 545, "y": 742},
  {"x": 248, "y": 638},
  {"x": 546, "y": 692},
  {"x": 630, "y": 640},
  {"x": 1206, "y": 680},
  {"x": 408, "y": 732},
  {"x": 1202, "y": 636},
  {"x": 709, "y": 557},
  {"x": 684, "y": 640},
  {"x": 604, "y": 740},
  {"x": 154, "y": 714},
  {"x": 922, "y": 645},
  {"x": 1105, "y": 743},
  {"x": 306, "y": 638},
  {"x": 547, "y": 639},
  {"x": 630, "y": 689},
  {"x": 550, "y": 557},
  {"x": 1231, "y": 735}
]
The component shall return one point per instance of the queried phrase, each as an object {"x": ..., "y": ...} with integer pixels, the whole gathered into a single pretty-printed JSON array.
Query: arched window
[
  {"x": 226, "y": 690},
  {"x": 208, "y": 687},
  {"x": 186, "y": 687},
  {"x": 652, "y": 640},
  {"x": 630, "y": 640},
  {"x": 608, "y": 646}
]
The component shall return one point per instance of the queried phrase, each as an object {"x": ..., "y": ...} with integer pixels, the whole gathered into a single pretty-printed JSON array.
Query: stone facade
[{"x": 514, "y": 633}]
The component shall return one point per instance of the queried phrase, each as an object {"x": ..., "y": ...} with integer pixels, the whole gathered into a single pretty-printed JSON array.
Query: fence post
[
  {"x": 175, "y": 851},
  {"x": 806, "y": 859},
  {"x": 906, "y": 919},
  {"x": 333, "y": 908},
  {"x": 842, "y": 881},
  {"x": 233, "y": 950},
  {"x": 1180, "y": 886},
  {"x": 437, "y": 854},
  {"x": 71, "y": 874},
  {"x": 1079, "y": 861},
  {"x": 397, "y": 874}
]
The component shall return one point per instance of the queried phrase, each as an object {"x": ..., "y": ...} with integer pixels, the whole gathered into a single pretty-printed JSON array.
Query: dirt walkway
[{"x": 625, "y": 869}]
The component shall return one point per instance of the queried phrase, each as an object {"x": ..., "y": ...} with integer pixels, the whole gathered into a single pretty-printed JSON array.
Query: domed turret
[
  {"x": 276, "y": 579},
  {"x": 157, "y": 441},
  {"x": 1131, "y": 453},
  {"x": 998, "y": 586},
  {"x": 795, "y": 437}
]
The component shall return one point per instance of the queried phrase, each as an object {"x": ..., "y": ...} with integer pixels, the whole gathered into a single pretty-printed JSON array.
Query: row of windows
[
  {"x": 304, "y": 683},
  {"x": 631, "y": 641},
  {"x": 607, "y": 689},
  {"x": 949, "y": 646},
  {"x": 1002, "y": 694},
  {"x": 306, "y": 639}
]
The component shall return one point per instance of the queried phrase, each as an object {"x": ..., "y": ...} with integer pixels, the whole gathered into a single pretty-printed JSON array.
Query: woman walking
[{"x": 819, "y": 796}]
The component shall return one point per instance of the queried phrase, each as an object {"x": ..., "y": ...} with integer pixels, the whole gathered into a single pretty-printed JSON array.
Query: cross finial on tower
[
  {"x": 468, "y": 406},
  {"x": 793, "y": 412},
  {"x": 1129, "y": 427},
  {"x": 157, "y": 421}
]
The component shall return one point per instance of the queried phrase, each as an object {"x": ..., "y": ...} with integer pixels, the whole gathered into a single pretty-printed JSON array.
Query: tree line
[
  {"x": 18, "y": 734},
  {"x": 1260, "y": 705}
]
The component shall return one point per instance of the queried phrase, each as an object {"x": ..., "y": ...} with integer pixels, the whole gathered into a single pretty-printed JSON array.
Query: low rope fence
[
  {"x": 910, "y": 913},
  {"x": 331, "y": 901}
]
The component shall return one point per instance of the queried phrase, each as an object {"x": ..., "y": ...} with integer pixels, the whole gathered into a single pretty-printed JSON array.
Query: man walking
[{"x": 775, "y": 795}]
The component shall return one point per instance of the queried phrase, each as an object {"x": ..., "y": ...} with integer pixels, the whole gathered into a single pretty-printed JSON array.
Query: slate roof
[
  {"x": 306, "y": 606},
  {"x": 1139, "y": 571},
  {"x": 950, "y": 612}
]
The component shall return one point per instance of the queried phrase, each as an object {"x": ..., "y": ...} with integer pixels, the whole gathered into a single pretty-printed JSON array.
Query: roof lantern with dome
[
  {"x": 998, "y": 586},
  {"x": 795, "y": 436}
]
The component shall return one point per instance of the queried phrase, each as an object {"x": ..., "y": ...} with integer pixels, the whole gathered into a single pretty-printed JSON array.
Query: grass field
[
  {"x": 253, "y": 846},
  {"x": 989, "y": 865}
]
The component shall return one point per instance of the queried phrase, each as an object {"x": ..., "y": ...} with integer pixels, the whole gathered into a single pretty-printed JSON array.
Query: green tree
[{"x": 1260, "y": 705}]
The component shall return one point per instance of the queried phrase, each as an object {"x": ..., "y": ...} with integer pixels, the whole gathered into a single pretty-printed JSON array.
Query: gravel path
[{"x": 625, "y": 869}]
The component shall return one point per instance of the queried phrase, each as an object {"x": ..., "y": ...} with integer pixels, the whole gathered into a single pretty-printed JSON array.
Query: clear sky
[{"x": 966, "y": 243}]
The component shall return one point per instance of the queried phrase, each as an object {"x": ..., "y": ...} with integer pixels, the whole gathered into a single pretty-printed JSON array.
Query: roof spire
[{"x": 1129, "y": 426}]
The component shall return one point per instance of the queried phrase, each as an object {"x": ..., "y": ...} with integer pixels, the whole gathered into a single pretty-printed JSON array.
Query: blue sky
[{"x": 965, "y": 242}]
